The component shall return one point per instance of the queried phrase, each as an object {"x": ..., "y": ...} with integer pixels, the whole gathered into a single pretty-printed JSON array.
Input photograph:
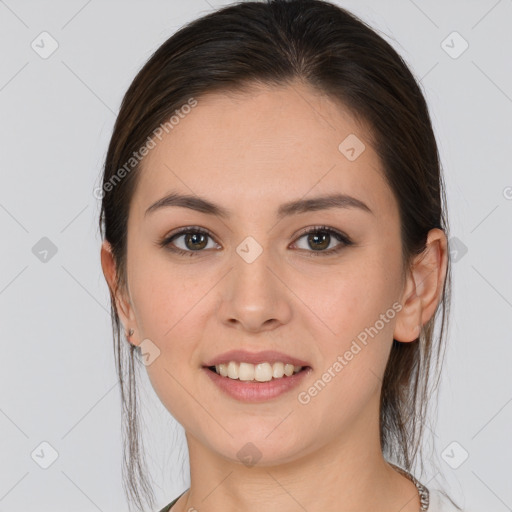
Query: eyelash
[{"x": 345, "y": 241}]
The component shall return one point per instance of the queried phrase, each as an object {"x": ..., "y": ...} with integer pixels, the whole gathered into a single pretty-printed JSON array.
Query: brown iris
[
  {"x": 314, "y": 237},
  {"x": 196, "y": 238}
]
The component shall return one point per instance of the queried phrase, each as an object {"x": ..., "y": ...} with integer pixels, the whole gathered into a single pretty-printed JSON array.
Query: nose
[{"x": 254, "y": 297}]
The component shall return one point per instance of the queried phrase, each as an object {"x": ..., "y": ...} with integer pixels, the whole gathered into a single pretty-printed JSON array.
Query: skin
[{"x": 251, "y": 153}]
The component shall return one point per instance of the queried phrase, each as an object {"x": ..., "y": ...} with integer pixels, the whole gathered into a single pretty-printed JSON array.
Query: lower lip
[{"x": 247, "y": 391}]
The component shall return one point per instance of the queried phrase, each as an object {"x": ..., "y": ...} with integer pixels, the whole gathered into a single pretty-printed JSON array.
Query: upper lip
[{"x": 266, "y": 356}]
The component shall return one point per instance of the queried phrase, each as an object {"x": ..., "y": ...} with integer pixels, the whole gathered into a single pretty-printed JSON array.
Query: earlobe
[
  {"x": 407, "y": 326},
  {"x": 423, "y": 289}
]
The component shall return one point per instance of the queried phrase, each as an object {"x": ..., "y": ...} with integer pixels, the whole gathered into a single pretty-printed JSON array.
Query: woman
[{"x": 276, "y": 248}]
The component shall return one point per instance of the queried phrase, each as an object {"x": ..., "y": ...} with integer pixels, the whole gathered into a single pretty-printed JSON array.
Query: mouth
[
  {"x": 259, "y": 384},
  {"x": 261, "y": 366}
]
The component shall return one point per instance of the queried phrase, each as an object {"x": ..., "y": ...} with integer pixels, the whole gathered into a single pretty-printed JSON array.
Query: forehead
[{"x": 271, "y": 143}]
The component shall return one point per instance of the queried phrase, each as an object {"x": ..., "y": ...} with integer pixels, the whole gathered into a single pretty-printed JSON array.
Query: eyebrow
[{"x": 202, "y": 205}]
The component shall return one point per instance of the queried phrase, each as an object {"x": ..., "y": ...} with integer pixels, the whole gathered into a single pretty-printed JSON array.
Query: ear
[
  {"x": 122, "y": 301},
  {"x": 423, "y": 287}
]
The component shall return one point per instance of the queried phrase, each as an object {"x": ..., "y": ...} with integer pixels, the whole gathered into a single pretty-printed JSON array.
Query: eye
[
  {"x": 194, "y": 239},
  {"x": 320, "y": 238}
]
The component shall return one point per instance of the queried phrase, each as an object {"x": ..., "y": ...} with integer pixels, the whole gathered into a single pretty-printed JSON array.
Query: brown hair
[{"x": 275, "y": 43}]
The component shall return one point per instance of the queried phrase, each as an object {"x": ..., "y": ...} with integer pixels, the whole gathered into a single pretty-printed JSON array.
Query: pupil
[{"x": 313, "y": 237}]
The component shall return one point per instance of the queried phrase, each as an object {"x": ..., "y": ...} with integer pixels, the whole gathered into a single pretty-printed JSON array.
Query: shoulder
[
  {"x": 167, "y": 508},
  {"x": 440, "y": 502}
]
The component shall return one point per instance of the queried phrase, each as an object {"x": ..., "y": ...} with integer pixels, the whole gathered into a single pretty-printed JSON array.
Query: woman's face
[{"x": 257, "y": 282}]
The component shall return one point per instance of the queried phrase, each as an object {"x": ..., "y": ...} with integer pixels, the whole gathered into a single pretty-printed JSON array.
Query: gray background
[{"x": 58, "y": 383}]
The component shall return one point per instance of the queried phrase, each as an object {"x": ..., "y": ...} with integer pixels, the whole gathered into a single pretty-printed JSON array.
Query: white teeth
[
  {"x": 246, "y": 371},
  {"x": 277, "y": 370},
  {"x": 262, "y": 372}
]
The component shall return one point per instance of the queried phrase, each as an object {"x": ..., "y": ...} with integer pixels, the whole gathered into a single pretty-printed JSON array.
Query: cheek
[
  {"x": 170, "y": 304},
  {"x": 165, "y": 296},
  {"x": 350, "y": 300},
  {"x": 354, "y": 315},
  {"x": 353, "y": 342}
]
